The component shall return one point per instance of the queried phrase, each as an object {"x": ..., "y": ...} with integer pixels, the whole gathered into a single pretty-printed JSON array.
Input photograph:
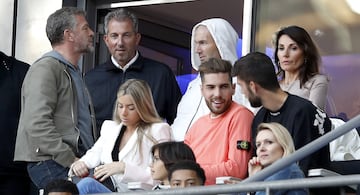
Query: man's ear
[
  {"x": 138, "y": 38},
  {"x": 68, "y": 36},
  {"x": 106, "y": 39},
  {"x": 253, "y": 87}
]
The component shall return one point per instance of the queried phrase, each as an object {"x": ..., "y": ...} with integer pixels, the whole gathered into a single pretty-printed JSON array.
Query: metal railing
[
  {"x": 255, "y": 183},
  {"x": 316, "y": 182}
]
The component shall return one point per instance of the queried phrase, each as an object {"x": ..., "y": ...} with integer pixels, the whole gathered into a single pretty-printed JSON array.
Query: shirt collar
[{"x": 128, "y": 64}]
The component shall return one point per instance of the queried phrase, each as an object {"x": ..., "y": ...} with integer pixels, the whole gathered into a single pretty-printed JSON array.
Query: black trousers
[{"x": 17, "y": 185}]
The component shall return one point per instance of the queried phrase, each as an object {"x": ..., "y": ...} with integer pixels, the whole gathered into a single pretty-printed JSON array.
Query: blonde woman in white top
[{"x": 123, "y": 150}]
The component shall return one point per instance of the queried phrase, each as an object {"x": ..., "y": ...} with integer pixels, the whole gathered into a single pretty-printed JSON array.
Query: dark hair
[
  {"x": 188, "y": 165},
  {"x": 215, "y": 65},
  {"x": 257, "y": 67},
  {"x": 312, "y": 58},
  {"x": 61, "y": 185},
  {"x": 61, "y": 20},
  {"x": 121, "y": 15},
  {"x": 171, "y": 152}
]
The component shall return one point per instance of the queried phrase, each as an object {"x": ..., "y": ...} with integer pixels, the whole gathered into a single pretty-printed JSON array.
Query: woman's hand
[
  {"x": 80, "y": 169},
  {"x": 104, "y": 171},
  {"x": 254, "y": 165}
]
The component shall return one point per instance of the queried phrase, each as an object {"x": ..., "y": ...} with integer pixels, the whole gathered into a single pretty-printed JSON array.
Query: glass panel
[
  {"x": 334, "y": 26},
  {"x": 31, "y": 39}
]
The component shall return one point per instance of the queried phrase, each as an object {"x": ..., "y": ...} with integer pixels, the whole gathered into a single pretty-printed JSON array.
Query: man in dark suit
[{"x": 14, "y": 178}]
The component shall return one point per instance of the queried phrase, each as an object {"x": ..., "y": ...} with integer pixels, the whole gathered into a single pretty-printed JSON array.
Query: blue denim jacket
[{"x": 291, "y": 172}]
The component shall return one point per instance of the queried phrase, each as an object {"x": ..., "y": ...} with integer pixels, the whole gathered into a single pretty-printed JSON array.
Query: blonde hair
[
  {"x": 141, "y": 95},
  {"x": 281, "y": 134}
]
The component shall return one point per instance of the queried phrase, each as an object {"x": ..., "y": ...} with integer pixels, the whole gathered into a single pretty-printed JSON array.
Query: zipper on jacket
[
  {"x": 92, "y": 113},
  {"x": 72, "y": 112}
]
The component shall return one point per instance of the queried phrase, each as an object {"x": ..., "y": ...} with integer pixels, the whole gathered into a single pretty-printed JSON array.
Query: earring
[{"x": 305, "y": 60}]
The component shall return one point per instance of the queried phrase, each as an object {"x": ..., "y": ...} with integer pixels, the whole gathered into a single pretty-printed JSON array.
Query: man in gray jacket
[{"x": 56, "y": 122}]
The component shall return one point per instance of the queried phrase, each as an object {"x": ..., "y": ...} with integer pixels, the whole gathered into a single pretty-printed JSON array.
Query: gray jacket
[{"x": 47, "y": 127}]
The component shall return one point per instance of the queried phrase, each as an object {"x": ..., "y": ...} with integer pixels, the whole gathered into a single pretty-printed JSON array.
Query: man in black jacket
[
  {"x": 14, "y": 178},
  {"x": 122, "y": 39}
]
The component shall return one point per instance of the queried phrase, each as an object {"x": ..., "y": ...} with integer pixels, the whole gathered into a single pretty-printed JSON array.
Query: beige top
[{"x": 315, "y": 89}]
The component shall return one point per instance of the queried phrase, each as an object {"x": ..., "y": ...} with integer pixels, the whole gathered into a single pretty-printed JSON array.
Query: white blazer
[{"x": 136, "y": 166}]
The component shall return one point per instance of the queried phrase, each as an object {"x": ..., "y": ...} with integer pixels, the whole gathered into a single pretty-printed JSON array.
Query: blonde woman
[
  {"x": 123, "y": 150},
  {"x": 273, "y": 142}
]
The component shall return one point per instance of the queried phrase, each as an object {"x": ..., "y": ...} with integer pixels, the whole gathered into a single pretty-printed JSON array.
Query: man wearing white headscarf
[{"x": 211, "y": 38}]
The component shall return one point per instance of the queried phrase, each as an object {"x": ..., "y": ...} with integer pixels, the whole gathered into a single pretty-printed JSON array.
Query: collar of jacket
[{"x": 136, "y": 66}]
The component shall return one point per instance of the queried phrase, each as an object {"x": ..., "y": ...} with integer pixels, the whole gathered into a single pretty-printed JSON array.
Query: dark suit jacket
[
  {"x": 12, "y": 73},
  {"x": 104, "y": 81}
]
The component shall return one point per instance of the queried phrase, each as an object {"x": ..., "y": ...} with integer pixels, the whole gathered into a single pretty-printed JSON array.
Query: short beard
[
  {"x": 255, "y": 102},
  {"x": 90, "y": 49},
  {"x": 227, "y": 106}
]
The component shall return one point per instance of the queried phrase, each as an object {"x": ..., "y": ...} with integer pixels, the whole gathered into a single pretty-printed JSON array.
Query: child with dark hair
[
  {"x": 186, "y": 173},
  {"x": 62, "y": 187},
  {"x": 164, "y": 155}
]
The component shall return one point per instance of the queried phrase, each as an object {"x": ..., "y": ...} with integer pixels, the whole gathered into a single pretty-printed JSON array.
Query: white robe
[{"x": 192, "y": 106}]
